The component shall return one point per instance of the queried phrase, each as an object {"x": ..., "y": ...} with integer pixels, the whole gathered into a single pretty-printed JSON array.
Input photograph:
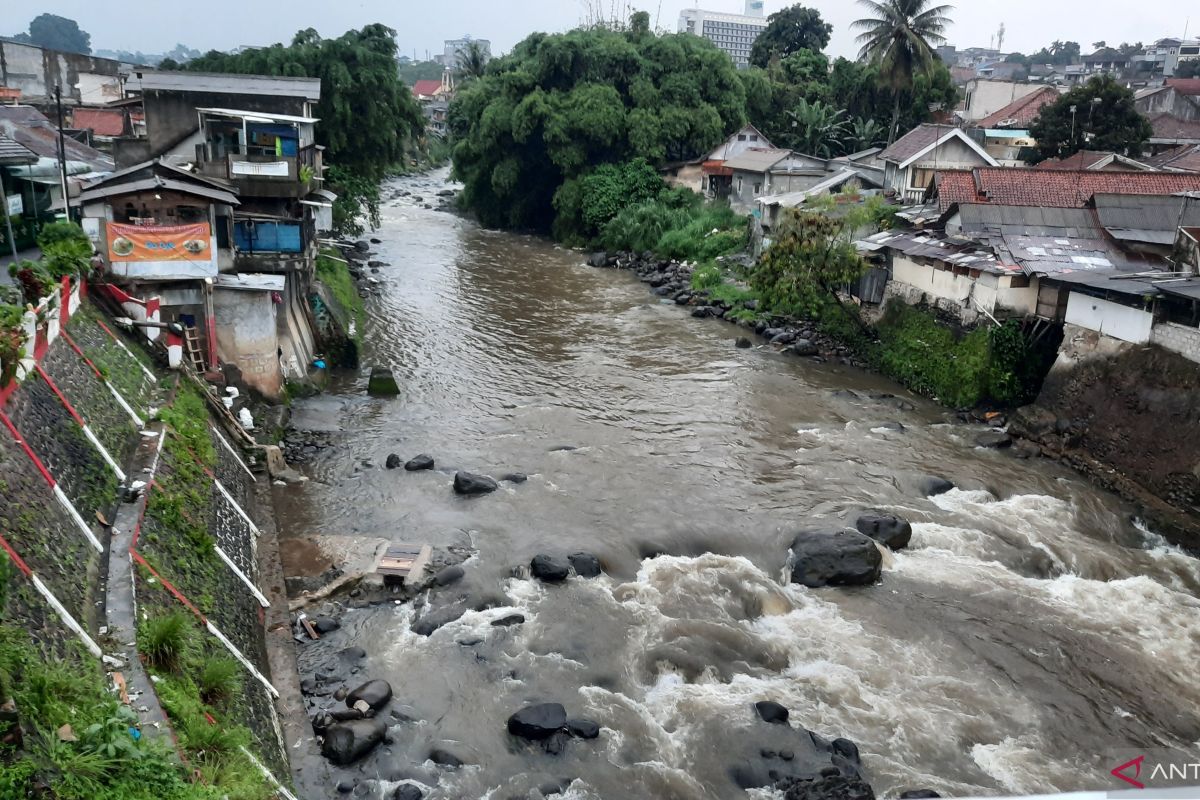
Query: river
[{"x": 1031, "y": 629}]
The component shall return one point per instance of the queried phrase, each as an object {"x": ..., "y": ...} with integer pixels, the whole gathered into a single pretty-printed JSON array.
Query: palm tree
[
  {"x": 818, "y": 129},
  {"x": 899, "y": 39},
  {"x": 472, "y": 61}
]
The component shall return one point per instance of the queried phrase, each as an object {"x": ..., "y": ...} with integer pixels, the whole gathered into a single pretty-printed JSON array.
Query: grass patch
[
  {"x": 336, "y": 276},
  {"x": 107, "y": 761},
  {"x": 220, "y": 679},
  {"x": 166, "y": 640}
]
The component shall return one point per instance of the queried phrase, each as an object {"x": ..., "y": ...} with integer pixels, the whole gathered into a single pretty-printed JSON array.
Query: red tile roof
[
  {"x": 101, "y": 121},
  {"x": 1167, "y": 126},
  {"x": 1024, "y": 109},
  {"x": 1012, "y": 186},
  {"x": 1188, "y": 86},
  {"x": 427, "y": 88}
]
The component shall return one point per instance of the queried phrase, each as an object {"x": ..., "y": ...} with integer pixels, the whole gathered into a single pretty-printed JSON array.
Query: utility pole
[
  {"x": 12, "y": 241},
  {"x": 62, "y": 152}
]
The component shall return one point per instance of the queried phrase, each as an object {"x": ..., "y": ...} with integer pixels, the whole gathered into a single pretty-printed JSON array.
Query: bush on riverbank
[{"x": 678, "y": 225}]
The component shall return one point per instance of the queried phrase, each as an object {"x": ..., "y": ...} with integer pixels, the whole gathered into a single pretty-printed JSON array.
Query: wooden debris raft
[{"x": 404, "y": 562}]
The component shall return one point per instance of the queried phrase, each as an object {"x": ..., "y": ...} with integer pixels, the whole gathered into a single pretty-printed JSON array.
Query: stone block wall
[{"x": 1180, "y": 339}]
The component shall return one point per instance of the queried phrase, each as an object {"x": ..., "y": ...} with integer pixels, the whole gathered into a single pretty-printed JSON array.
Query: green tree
[
  {"x": 811, "y": 258},
  {"x": 420, "y": 71},
  {"x": 560, "y": 105},
  {"x": 473, "y": 60},
  {"x": 792, "y": 29},
  {"x": 1099, "y": 115},
  {"x": 818, "y": 129},
  {"x": 899, "y": 38},
  {"x": 1059, "y": 53},
  {"x": 1188, "y": 69},
  {"x": 59, "y": 33}
]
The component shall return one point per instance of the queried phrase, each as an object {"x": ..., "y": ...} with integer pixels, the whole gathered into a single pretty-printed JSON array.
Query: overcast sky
[{"x": 156, "y": 25}]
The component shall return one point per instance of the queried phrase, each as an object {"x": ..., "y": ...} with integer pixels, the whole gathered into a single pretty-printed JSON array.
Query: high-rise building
[
  {"x": 449, "y": 57},
  {"x": 733, "y": 33}
]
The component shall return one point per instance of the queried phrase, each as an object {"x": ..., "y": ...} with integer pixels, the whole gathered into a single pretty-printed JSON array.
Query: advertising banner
[{"x": 166, "y": 251}]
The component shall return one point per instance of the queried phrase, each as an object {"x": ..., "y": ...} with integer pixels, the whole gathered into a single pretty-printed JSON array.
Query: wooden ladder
[{"x": 191, "y": 338}]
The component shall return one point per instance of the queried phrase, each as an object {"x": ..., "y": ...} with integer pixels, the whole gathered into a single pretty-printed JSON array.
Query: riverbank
[
  {"x": 131, "y": 553},
  {"x": 1119, "y": 451},
  {"x": 689, "y": 467}
]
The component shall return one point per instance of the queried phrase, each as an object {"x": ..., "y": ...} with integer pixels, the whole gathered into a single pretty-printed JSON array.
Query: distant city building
[
  {"x": 733, "y": 33},
  {"x": 1164, "y": 56},
  {"x": 454, "y": 48}
]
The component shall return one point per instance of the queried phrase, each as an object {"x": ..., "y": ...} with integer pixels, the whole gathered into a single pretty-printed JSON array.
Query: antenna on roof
[{"x": 1000, "y": 38}]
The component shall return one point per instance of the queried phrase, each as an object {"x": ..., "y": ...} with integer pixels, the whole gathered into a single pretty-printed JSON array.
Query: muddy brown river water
[{"x": 1032, "y": 628}]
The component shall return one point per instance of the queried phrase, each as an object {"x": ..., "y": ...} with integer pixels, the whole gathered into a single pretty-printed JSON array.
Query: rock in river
[
  {"x": 586, "y": 565},
  {"x": 326, "y": 624},
  {"x": 538, "y": 722},
  {"x": 844, "y": 558},
  {"x": 583, "y": 728},
  {"x": 393, "y": 461},
  {"x": 770, "y": 711},
  {"x": 549, "y": 569},
  {"x": 743, "y": 343},
  {"x": 932, "y": 486},
  {"x": 449, "y": 575},
  {"x": 382, "y": 383},
  {"x": 993, "y": 439},
  {"x": 419, "y": 463},
  {"x": 375, "y": 693},
  {"x": 407, "y": 792},
  {"x": 469, "y": 484},
  {"x": 895, "y": 532},
  {"x": 347, "y": 742}
]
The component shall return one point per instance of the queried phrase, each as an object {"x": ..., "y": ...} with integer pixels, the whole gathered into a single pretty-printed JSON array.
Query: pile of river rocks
[{"x": 673, "y": 280}]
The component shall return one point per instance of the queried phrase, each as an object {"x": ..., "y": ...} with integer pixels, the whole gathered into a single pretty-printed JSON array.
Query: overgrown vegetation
[
  {"x": 335, "y": 274},
  {"x": 678, "y": 224},
  {"x": 80, "y": 743}
]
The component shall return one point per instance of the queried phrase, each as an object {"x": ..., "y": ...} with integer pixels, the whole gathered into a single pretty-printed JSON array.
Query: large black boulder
[
  {"x": 549, "y": 569},
  {"x": 347, "y": 742},
  {"x": 538, "y": 722},
  {"x": 895, "y": 532},
  {"x": 419, "y": 463},
  {"x": 467, "y": 484},
  {"x": 918, "y": 794},
  {"x": 997, "y": 440},
  {"x": 843, "y": 558},
  {"x": 393, "y": 461},
  {"x": 449, "y": 575},
  {"x": 770, "y": 711},
  {"x": 374, "y": 693},
  {"x": 407, "y": 792},
  {"x": 586, "y": 565}
]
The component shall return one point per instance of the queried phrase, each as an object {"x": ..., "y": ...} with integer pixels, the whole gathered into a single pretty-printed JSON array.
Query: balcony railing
[{"x": 261, "y": 174}]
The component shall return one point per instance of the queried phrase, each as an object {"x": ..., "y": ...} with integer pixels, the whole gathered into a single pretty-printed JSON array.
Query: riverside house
[{"x": 231, "y": 189}]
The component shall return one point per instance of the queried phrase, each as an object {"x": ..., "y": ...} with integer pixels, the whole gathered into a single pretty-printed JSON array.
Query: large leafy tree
[
  {"x": 561, "y": 105},
  {"x": 899, "y": 38},
  {"x": 792, "y": 29},
  {"x": 57, "y": 33},
  {"x": 1099, "y": 115},
  {"x": 811, "y": 257}
]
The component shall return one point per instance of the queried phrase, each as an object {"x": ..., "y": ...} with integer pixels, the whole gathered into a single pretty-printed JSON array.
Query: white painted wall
[
  {"x": 1118, "y": 321},
  {"x": 983, "y": 97}
]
